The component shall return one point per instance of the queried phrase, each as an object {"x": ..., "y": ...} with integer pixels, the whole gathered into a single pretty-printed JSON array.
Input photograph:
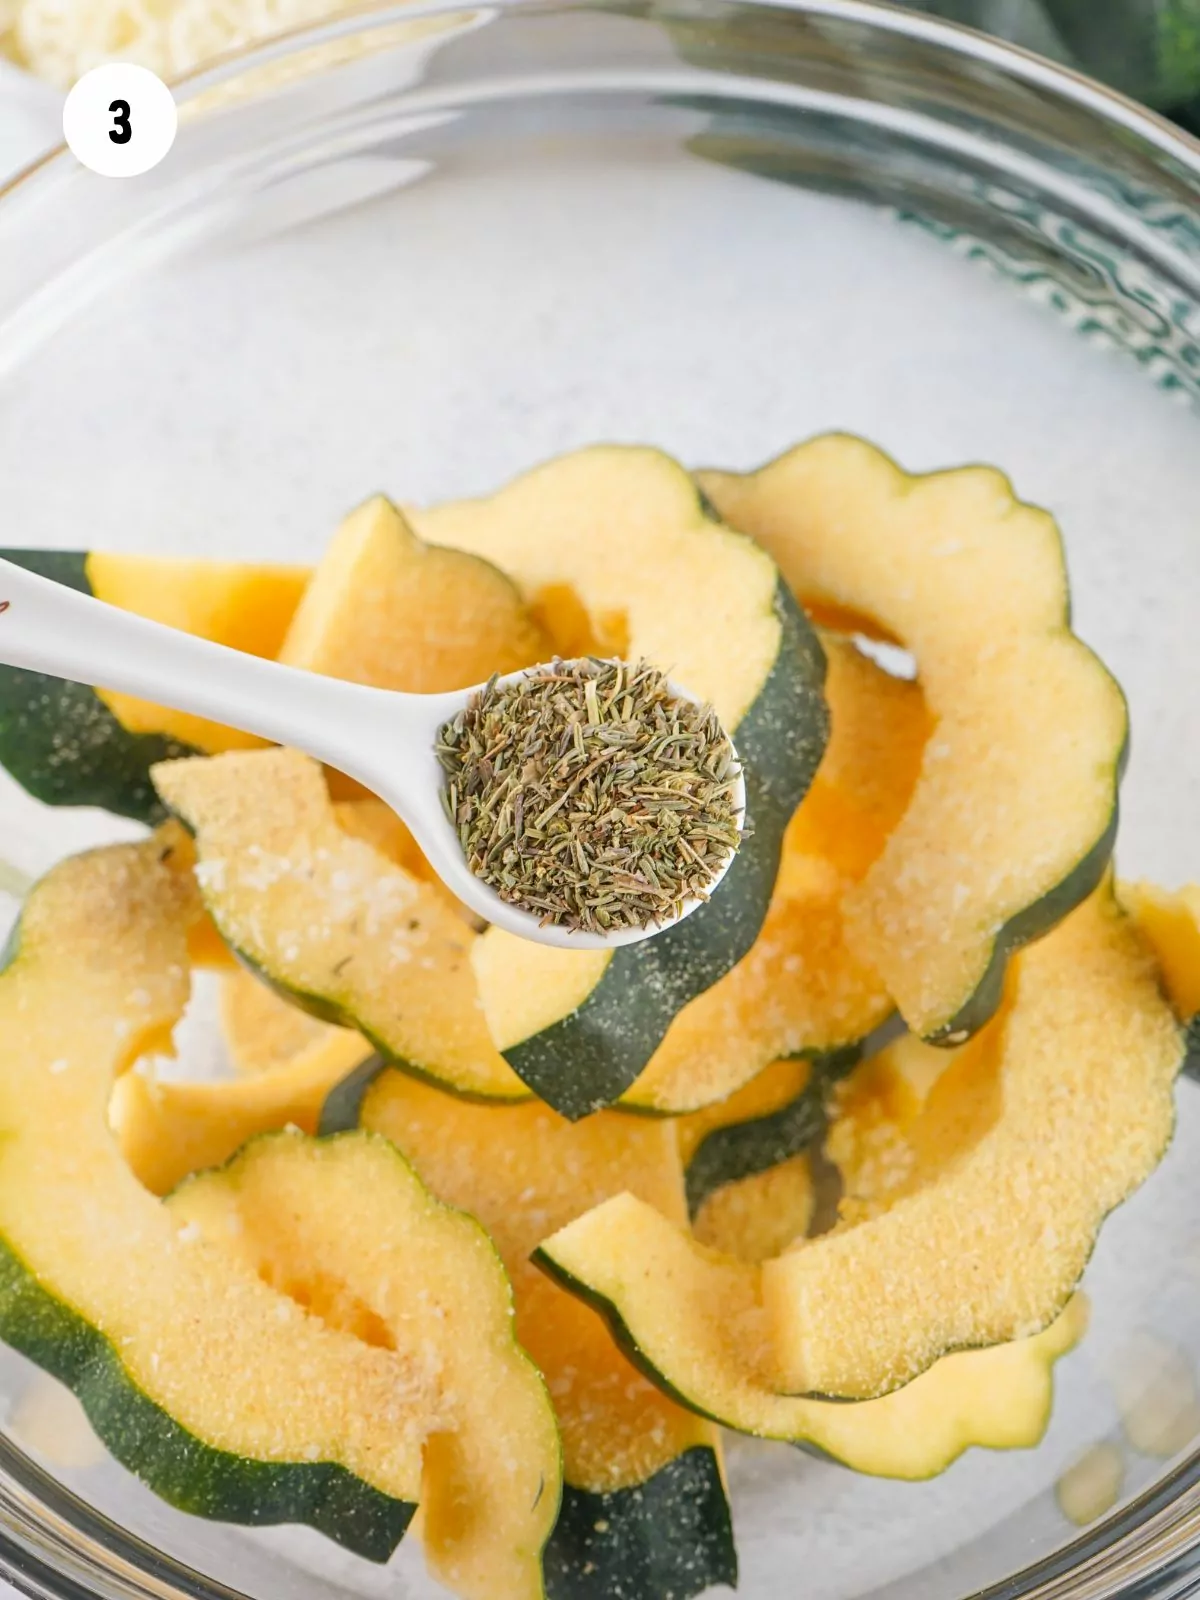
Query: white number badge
[{"x": 120, "y": 120}]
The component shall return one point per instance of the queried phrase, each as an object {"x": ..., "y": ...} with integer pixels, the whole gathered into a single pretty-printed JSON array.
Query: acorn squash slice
[
  {"x": 999, "y": 1398},
  {"x": 644, "y": 1506},
  {"x": 386, "y": 609},
  {"x": 1062, "y": 1108},
  {"x": 344, "y": 1228},
  {"x": 1013, "y": 817},
  {"x": 221, "y": 1392},
  {"x": 331, "y": 922},
  {"x": 624, "y": 532},
  {"x": 800, "y": 990},
  {"x": 71, "y": 745}
]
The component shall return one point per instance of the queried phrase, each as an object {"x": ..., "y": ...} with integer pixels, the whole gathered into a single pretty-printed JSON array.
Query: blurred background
[{"x": 1149, "y": 49}]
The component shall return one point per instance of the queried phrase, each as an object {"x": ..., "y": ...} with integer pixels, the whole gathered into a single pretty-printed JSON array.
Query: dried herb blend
[{"x": 590, "y": 794}]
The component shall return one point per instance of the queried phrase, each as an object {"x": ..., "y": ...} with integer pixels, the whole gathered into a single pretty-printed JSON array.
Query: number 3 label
[
  {"x": 121, "y": 132},
  {"x": 120, "y": 120}
]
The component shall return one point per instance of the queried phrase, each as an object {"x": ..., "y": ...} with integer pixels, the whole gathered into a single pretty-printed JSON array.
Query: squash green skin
[
  {"x": 1191, "y": 1056},
  {"x": 342, "y": 1110},
  {"x": 669, "y": 1538},
  {"x": 744, "y": 1149},
  {"x": 1030, "y": 923},
  {"x": 60, "y": 741},
  {"x": 588, "y": 1059},
  {"x": 181, "y": 1469}
]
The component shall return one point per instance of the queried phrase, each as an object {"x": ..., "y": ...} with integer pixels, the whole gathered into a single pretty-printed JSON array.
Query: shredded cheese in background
[
  {"x": 8, "y": 24},
  {"x": 60, "y": 40}
]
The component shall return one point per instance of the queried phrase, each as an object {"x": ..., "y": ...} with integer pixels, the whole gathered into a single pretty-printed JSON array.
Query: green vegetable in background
[{"x": 1149, "y": 49}]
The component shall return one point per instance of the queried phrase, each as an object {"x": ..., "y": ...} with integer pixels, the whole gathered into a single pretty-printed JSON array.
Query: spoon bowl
[
  {"x": 383, "y": 739},
  {"x": 417, "y": 796}
]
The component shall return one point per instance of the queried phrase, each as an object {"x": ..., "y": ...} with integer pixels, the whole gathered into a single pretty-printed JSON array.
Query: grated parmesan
[{"x": 60, "y": 40}]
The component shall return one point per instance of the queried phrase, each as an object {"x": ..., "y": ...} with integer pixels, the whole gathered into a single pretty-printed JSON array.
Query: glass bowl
[{"x": 421, "y": 249}]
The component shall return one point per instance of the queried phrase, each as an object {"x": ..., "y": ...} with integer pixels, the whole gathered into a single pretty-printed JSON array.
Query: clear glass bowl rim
[{"x": 53, "y": 1544}]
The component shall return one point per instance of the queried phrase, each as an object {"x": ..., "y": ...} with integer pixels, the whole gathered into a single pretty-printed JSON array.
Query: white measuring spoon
[{"x": 382, "y": 738}]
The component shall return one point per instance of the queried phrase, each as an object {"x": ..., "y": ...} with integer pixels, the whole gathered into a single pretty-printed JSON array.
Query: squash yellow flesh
[
  {"x": 1061, "y": 1109},
  {"x": 1025, "y": 1153},
  {"x": 1010, "y": 823},
  {"x": 262, "y": 1031},
  {"x": 695, "y": 1331},
  {"x": 221, "y": 1356},
  {"x": 516, "y": 1169},
  {"x": 770, "y": 1090},
  {"x": 245, "y": 607},
  {"x": 753, "y": 1215},
  {"x": 168, "y": 1130},
  {"x": 621, "y": 527},
  {"x": 525, "y": 988},
  {"x": 801, "y": 989},
  {"x": 344, "y": 1227},
  {"x": 272, "y": 807},
  {"x": 331, "y": 921},
  {"x": 386, "y": 609},
  {"x": 754, "y": 1218},
  {"x": 885, "y": 1116}
]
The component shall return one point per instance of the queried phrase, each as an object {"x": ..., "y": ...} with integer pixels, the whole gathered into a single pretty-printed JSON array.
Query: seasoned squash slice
[
  {"x": 385, "y": 609},
  {"x": 72, "y": 745},
  {"x": 328, "y": 920},
  {"x": 624, "y": 533},
  {"x": 627, "y": 1449},
  {"x": 168, "y": 1129},
  {"x": 1012, "y": 820},
  {"x": 801, "y": 990},
  {"x": 227, "y": 1396},
  {"x": 1042, "y": 1126},
  {"x": 343, "y": 1227},
  {"x": 999, "y": 1398}
]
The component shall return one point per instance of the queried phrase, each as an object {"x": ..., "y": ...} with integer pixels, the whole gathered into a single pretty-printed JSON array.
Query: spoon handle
[{"x": 50, "y": 628}]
